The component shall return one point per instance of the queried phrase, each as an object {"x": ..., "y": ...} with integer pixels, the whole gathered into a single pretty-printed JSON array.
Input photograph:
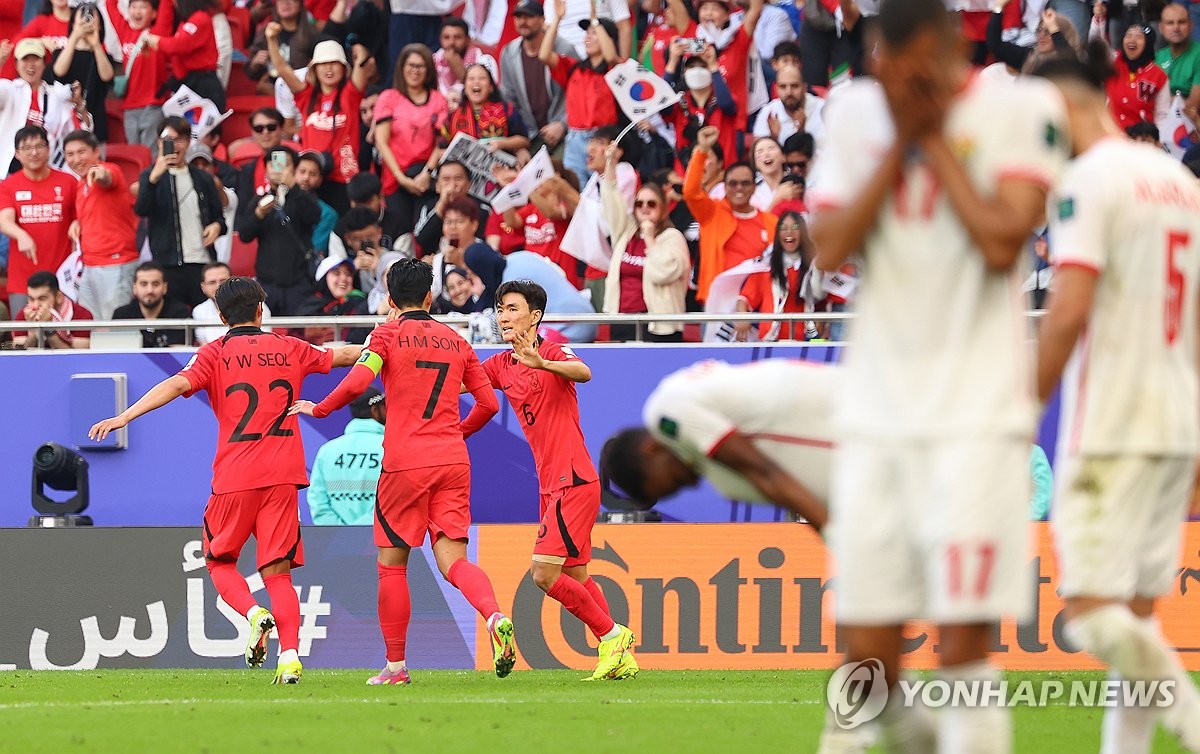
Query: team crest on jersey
[
  {"x": 1066, "y": 208},
  {"x": 669, "y": 427},
  {"x": 1051, "y": 135}
]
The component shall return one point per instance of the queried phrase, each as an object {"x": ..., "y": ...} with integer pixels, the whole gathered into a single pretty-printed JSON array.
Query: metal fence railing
[{"x": 340, "y": 324}]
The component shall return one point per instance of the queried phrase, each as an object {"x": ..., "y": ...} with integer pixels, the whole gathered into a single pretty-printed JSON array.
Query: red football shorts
[
  {"x": 409, "y": 503},
  {"x": 271, "y": 514},
  {"x": 568, "y": 516}
]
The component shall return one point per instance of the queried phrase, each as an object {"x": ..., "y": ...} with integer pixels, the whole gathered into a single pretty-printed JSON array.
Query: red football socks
[
  {"x": 578, "y": 602},
  {"x": 470, "y": 579},
  {"x": 230, "y": 585},
  {"x": 395, "y": 609},
  {"x": 285, "y": 606},
  {"x": 597, "y": 595}
]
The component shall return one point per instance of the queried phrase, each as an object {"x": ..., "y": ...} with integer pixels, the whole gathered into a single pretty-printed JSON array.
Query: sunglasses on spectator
[
  {"x": 739, "y": 183},
  {"x": 648, "y": 203},
  {"x": 802, "y": 165},
  {"x": 677, "y": 188},
  {"x": 268, "y": 127}
]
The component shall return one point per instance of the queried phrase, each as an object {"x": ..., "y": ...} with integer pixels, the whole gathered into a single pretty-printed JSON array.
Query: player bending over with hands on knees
[
  {"x": 426, "y": 481},
  {"x": 1125, "y": 221},
  {"x": 251, "y": 378},
  {"x": 539, "y": 379},
  {"x": 757, "y": 432}
]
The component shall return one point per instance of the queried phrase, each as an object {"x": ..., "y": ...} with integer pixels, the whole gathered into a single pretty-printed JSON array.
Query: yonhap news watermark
[{"x": 857, "y": 693}]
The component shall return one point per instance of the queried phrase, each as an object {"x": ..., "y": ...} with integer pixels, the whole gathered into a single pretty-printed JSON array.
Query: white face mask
[{"x": 697, "y": 78}]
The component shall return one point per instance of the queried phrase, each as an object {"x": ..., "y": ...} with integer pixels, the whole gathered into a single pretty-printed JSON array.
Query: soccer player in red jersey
[
  {"x": 252, "y": 378},
  {"x": 539, "y": 377},
  {"x": 426, "y": 479}
]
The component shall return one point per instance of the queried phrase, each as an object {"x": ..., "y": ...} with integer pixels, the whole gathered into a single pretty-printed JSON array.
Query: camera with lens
[{"x": 87, "y": 10}]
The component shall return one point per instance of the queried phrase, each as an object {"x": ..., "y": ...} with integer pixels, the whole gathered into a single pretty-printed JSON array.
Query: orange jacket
[{"x": 717, "y": 223}]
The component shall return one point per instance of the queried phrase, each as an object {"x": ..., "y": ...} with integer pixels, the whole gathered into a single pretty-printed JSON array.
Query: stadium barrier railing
[{"x": 350, "y": 322}]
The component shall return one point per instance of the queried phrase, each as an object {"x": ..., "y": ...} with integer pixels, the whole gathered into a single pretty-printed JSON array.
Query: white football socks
[
  {"x": 907, "y": 730},
  {"x": 1137, "y": 651},
  {"x": 983, "y": 729},
  {"x": 1127, "y": 730}
]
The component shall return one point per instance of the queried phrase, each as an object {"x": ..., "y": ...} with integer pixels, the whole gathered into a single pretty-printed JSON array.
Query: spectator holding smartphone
[
  {"x": 188, "y": 217},
  {"x": 282, "y": 220},
  {"x": 328, "y": 99},
  {"x": 84, "y": 61}
]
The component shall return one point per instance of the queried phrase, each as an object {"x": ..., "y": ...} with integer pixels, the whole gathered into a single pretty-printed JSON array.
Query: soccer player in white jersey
[
  {"x": 757, "y": 432},
  {"x": 939, "y": 178},
  {"x": 1125, "y": 230}
]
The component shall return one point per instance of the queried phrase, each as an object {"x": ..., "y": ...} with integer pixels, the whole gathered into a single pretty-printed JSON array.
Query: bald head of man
[{"x": 1176, "y": 26}]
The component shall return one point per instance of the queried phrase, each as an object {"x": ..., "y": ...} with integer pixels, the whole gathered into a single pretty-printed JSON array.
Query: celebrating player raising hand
[
  {"x": 539, "y": 378},
  {"x": 426, "y": 481},
  {"x": 251, "y": 378}
]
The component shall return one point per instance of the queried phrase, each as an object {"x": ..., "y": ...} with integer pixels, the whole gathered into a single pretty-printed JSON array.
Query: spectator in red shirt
[
  {"x": 328, "y": 101},
  {"x": 707, "y": 100},
  {"x": 668, "y": 20},
  {"x": 1138, "y": 89},
  {"x": 37, "y": 205},
  {"x": 145, "y": 71},
  {"x": 408, "y": 122},
  {"x": 734, "y": 46},
  {"x": 10, "y": 19},
  {"x": 192, "y": 49},
  {"x": 106, "y": 227},
  {"x": 779, "y": 291},
  {"x": 543, "y": 222},
  {"x": 50, "y": 25},
  {"x": 49, "y": 304},
  {"x": 590, "y": 101}
]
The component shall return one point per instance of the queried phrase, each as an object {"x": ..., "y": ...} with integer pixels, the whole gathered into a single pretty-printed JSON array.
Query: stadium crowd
[{"x": 339, "y": 157}]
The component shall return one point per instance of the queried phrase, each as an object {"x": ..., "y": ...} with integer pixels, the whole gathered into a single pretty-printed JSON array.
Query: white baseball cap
[{"x": 328, "y": 263}]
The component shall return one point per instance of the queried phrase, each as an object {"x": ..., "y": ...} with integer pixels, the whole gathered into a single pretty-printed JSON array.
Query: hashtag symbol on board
[{"x": 310, "y": 610}]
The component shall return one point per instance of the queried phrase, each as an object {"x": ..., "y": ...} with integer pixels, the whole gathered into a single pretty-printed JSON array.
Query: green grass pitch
[{"x": 448, "y": 712}]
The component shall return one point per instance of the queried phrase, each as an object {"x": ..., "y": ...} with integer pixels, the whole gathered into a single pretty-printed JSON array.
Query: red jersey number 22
[{"x": 1177, "y": 242}]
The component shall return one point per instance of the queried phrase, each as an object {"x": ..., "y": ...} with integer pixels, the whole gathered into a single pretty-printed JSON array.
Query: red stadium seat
[
  {"x": 132, "y": 159},
  {"x": 237, "y": 125},
  {"x": 242, "y": 256},
  {"x": 115, "y": 116},
  {"x": 239, "y": 25},
  {"x": 240, "y": 85},
  {"x": 247, "y": 151}
]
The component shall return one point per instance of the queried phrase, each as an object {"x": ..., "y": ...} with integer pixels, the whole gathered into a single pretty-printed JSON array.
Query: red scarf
[{"x": 491, "y": 122}]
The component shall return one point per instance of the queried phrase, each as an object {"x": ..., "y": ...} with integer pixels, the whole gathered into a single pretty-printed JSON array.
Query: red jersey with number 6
[
  {"x": 252, "y": 378},
  {"x": 547, "y": 407},
  {"x": 424, "y": 363}
]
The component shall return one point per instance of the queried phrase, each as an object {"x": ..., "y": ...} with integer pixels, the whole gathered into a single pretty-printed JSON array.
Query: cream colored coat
[{"x": 668, "y": 265}]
